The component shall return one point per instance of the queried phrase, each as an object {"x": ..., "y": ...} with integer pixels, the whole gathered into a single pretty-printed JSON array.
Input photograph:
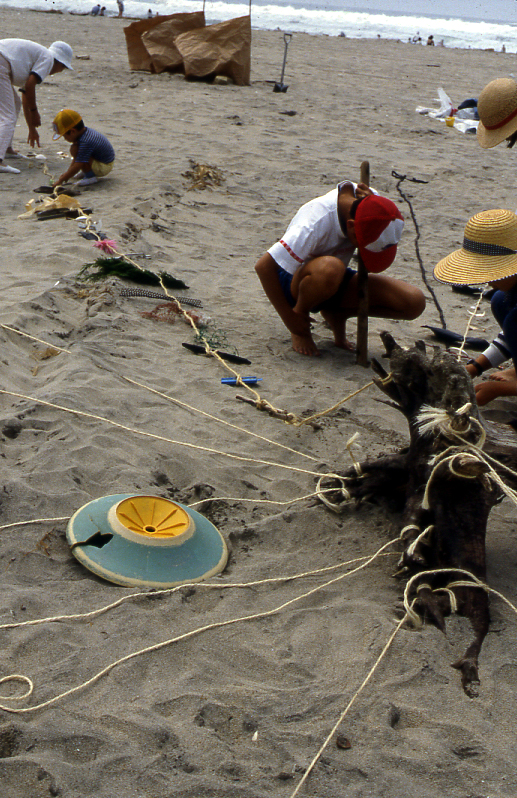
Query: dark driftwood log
[{"x": 458, "y": 501}]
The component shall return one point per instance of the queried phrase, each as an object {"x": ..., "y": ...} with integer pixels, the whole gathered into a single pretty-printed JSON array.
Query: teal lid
[{"x": 135, "y": 540}]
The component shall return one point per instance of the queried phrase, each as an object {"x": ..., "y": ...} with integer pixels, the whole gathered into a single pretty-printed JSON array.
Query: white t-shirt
[
  {"x": 315, "y": 230},
  {"x": 25, "y": 57}
]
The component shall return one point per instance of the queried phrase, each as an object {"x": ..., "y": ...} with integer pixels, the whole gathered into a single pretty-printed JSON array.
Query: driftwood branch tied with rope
[{"x": 444, "y": 485}]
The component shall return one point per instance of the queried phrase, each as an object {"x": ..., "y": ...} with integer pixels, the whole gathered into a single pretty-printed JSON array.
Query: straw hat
[
  {"x": 497, "y": 109},
  {"x": 489, "y": 251}
]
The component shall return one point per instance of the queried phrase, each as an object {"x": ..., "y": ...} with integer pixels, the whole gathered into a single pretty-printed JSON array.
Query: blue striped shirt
[{"x": 94, "y": 145}]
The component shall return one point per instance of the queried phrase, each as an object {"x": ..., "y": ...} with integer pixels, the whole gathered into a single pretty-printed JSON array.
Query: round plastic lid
[{"x": 145, "y": 541}]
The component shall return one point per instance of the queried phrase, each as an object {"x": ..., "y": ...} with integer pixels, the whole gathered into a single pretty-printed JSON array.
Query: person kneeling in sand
[
  {"x": 91, "y": 152},
  {"x": 489, "y": 255},
  {"x": 307, "y": 270}
]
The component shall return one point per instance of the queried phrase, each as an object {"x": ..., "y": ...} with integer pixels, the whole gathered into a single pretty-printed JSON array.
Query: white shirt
[
  {"x": 315, "y": 230},
  {"x": 25, "y": 57}
]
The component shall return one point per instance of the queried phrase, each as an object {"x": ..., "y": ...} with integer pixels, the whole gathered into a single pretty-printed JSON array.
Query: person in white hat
[
  {"x": 489, "y": 255},
  {"x": 307, "y": 271},
  {"x": 24, "y": 64}
]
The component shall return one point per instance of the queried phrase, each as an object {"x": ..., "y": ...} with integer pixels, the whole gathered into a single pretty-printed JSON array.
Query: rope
[
  {"x": 33, "y": 338},
  {"x": 290, "y": 418},
  {"x": 219, "y": 420},
  {"x": 164, "y": 643},
  {"x": 469, "y": 322},
  {"x": 134, "y": 431},
  {"x": 301, "y": 421}
]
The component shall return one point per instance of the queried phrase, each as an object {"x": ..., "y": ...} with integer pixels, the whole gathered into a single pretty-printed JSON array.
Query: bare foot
[
  {"x": 10, "y": 151},
  {"x": 345, "y": 344},
  {"x": 304, "y": 345},
  {"x": 507, "y": 375},
  {"x": 491, "y": 389}
]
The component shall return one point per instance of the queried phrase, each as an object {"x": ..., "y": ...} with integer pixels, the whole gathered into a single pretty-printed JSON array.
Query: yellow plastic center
[{"x": 153, "y": 517}]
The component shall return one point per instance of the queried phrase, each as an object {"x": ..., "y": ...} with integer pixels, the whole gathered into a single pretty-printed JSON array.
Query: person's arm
[
  {"x": 30, "y": 109},
  {"x": 267, "y": 271},
  {"x": 72, "y": 170},
  {"x": 477, "y": 366}
]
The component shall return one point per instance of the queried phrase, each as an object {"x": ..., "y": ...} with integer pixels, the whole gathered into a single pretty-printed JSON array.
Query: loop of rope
[{"x": 345, "y": 493}]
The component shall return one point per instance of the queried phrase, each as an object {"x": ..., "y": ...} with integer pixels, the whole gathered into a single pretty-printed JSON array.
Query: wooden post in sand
[{"x": 362, "y": 293}]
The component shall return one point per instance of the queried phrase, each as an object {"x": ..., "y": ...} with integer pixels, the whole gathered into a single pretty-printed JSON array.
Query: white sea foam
[{"x": 314, "y": 16}]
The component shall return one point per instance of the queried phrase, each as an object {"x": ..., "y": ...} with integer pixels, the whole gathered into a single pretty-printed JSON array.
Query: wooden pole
[{"x": 362, "y": 293}]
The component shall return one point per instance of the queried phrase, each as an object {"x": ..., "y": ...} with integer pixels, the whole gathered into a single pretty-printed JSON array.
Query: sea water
[{"x": 485, "y": 24}]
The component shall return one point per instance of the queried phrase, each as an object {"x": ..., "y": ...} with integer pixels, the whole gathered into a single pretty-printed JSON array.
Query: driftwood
[{"x": 441, "y": 486}]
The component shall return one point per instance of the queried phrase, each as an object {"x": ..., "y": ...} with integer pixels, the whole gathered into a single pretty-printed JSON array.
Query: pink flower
[{"x": 108, "y": 245}]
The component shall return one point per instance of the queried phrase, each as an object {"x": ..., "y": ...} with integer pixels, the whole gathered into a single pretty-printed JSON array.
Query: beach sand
[{"x": 235, "y": 711}]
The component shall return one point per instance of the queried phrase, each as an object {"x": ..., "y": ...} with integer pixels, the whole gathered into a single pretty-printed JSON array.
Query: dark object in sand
[
  {"x": 442, "y": 486},
  {"x": 70, "y": 192},
  {"x": 119, "y": 267},
  {"x": 61, "y": 213},
  {"x": 452, "y": 338},
  {"x": 474, "y": 290},
  {"x": 183, "y": 300},
  {"x": 200, "y": 350},
  {"x": 92, "y": 236}
]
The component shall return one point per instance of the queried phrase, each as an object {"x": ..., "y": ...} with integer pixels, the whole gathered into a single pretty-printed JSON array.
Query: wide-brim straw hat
[
  {"x": 489, "y": 251},
  {"x": 497, "y": 109}
]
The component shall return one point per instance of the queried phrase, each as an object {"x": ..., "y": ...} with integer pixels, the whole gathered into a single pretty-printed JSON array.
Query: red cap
[{"x": 378, "y": 228}]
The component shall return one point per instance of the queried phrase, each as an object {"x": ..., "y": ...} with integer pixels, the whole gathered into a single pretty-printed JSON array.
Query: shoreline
[{"x": 373, "y": 37}]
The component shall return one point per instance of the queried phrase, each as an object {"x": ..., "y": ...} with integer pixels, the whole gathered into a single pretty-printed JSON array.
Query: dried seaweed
[
  {"x": 119, "y": 267},
  {"x": 202, "y": 176},
  {"x": 169, "y": 312}
]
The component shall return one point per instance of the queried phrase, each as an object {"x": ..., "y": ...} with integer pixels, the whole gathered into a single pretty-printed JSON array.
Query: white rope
[{"x": 165, "y": 643}]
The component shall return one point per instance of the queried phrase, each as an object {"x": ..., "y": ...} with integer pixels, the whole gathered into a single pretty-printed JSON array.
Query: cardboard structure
[{"x": 183, "y": 42}]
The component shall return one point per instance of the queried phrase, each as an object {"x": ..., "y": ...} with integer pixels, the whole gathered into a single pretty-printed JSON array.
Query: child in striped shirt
[{"x": 92, "y": 153}]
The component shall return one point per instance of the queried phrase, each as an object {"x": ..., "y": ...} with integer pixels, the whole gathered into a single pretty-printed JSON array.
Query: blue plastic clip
[{"x": 247, "y": 380}]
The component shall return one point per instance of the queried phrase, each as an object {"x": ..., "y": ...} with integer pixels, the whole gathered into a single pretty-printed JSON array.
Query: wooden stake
[{"x": 362, "y": 293}]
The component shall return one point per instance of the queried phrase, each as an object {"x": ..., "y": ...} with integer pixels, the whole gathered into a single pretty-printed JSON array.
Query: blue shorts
[{"x": 332, "y": 303}]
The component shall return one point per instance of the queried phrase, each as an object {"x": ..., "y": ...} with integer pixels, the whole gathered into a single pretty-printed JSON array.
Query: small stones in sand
[{"x": 343, "y": 742}]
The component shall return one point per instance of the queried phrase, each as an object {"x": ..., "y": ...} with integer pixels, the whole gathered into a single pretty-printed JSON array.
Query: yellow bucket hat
[{"x": 489, "y": 251}]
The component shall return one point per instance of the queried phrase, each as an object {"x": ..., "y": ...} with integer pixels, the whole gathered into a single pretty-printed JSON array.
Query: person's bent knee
[
  {"x": 416, "y": 304},
  {"x": 329, "y": 269}
]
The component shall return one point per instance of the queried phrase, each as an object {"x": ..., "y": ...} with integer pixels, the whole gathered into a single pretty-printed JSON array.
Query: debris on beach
[
  {"x": 119, "y": 267},
  {"x": 203, "y": 176}
]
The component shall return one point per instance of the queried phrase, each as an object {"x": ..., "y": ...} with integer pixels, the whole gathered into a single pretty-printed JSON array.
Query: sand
[{"x": 236, "y": 711}]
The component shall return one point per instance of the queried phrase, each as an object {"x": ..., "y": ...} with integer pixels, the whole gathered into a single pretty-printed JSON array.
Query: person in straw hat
[
  {"x": 489, "y": 255},
  {"x": 497, "y": 109}
]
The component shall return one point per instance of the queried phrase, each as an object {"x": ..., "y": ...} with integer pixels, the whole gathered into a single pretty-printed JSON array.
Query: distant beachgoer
[
  {"x": 307, "y": 270},
  {"x": 503, "y": 49},
  {"x": 441, "y": 43},
  {"x": 91, "y": 151},
  {"x": 24, "y": 64},
  {"x": 489, "y": 256},
  {"x": 95, "y": 10},
  {"x": 149, "y": 13},
  {"x": 120, "y": 7},
  {"x": 430, "y": 40},
  {"x": 101, "y": 12}
]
